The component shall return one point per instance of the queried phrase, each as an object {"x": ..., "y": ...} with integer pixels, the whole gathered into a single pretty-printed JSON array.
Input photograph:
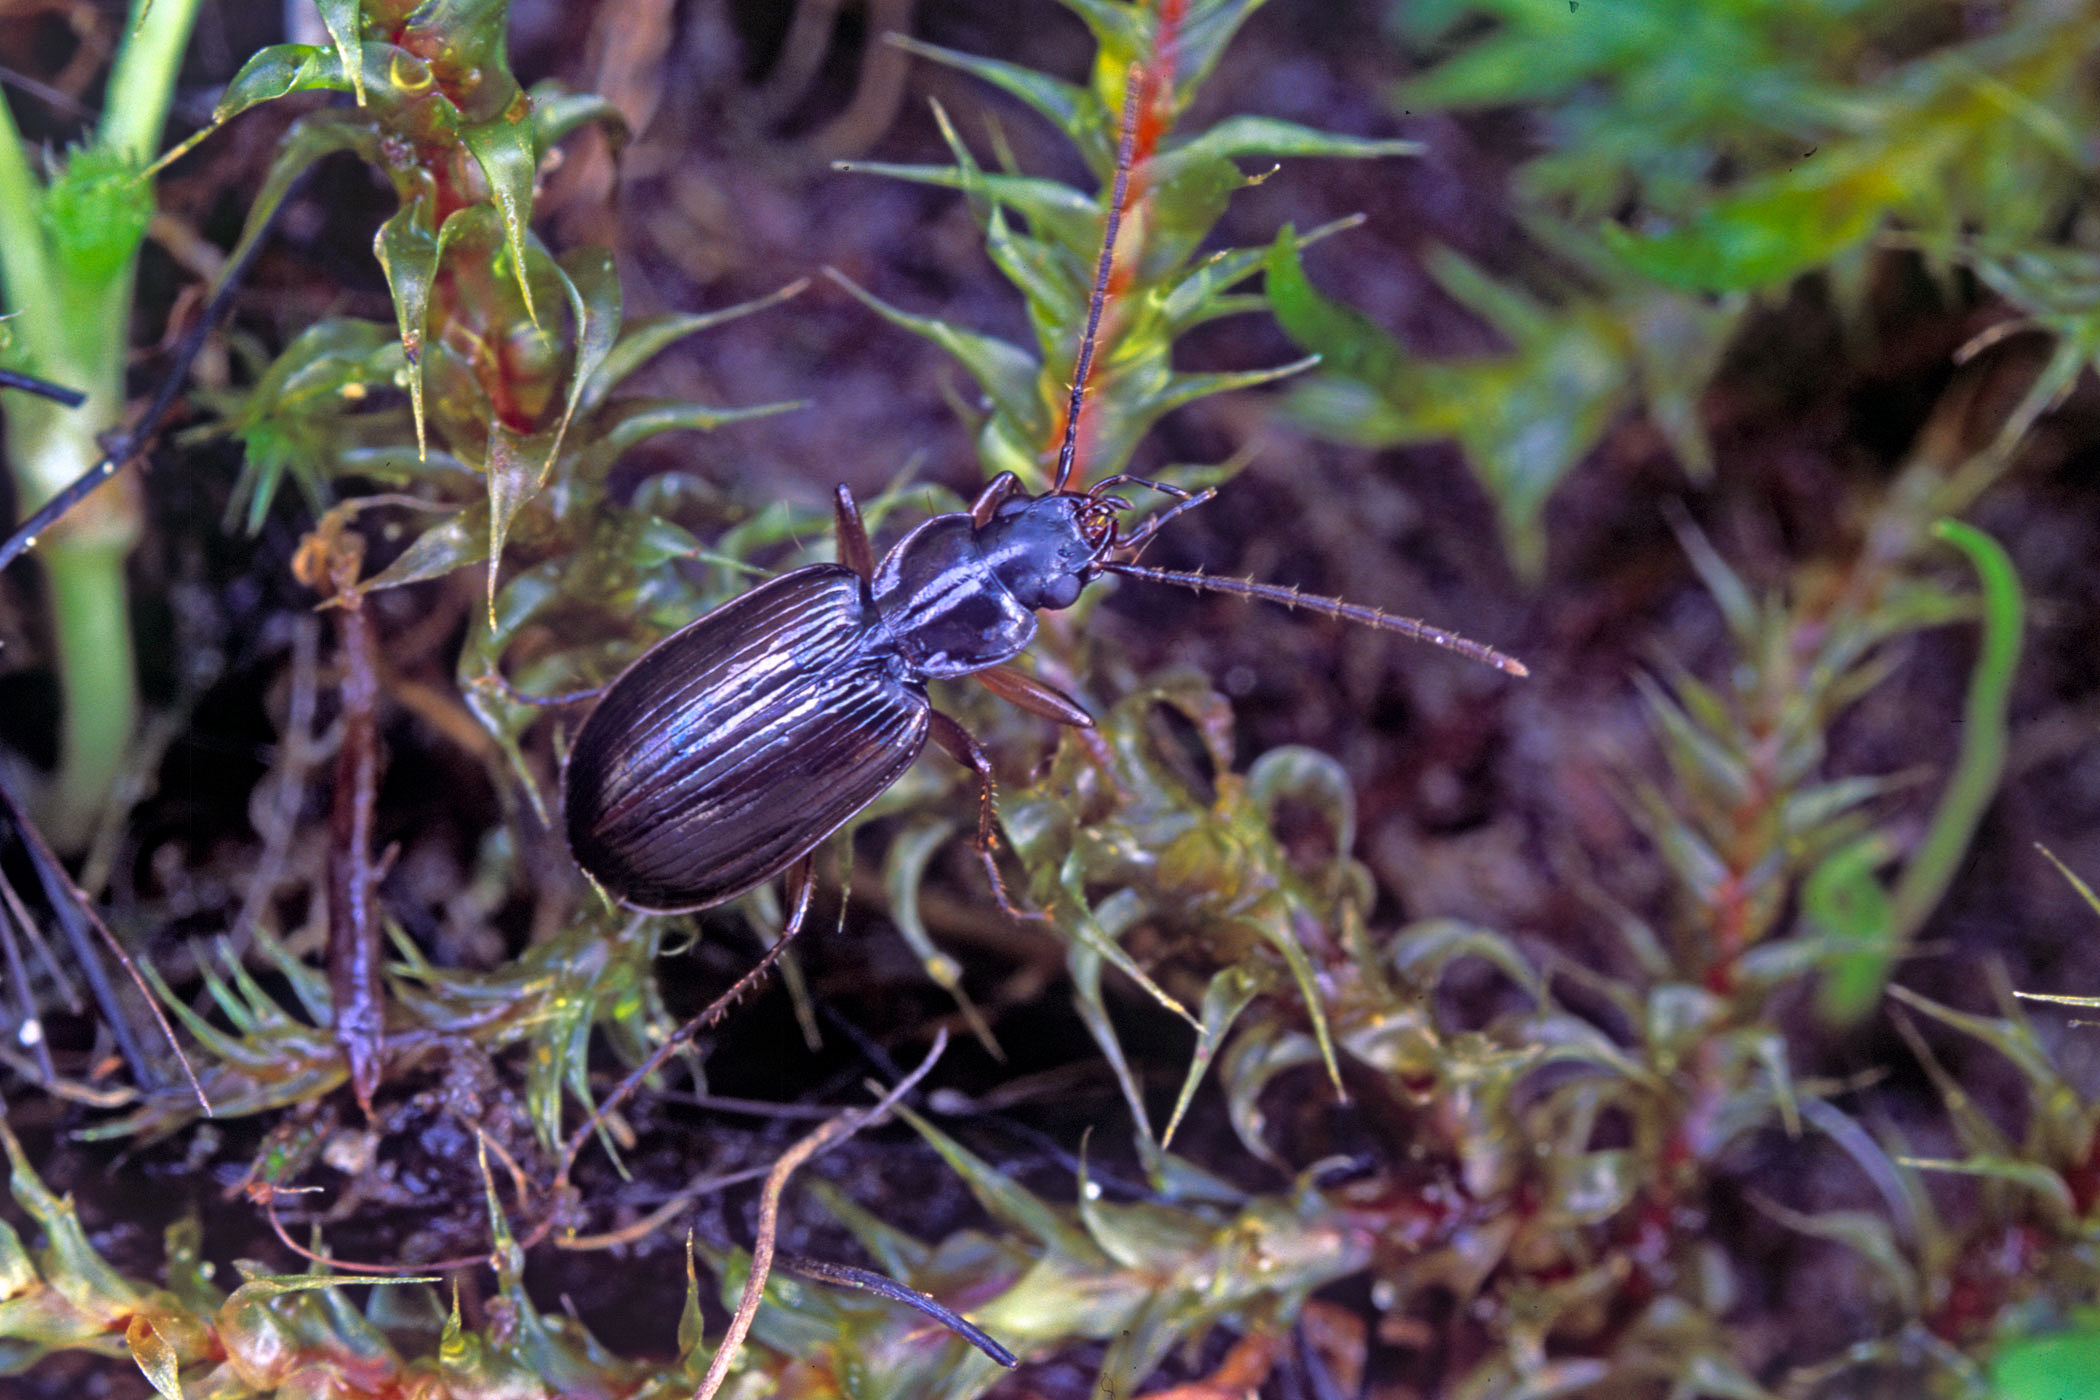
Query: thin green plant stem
[
  {"x": 74, "y": 320},
  {"x": 1982, "y": 759},
  {"x": 142, "y": 80},
  {"x": 22, "y": 261},
  {"x": 91, "y": 619}
]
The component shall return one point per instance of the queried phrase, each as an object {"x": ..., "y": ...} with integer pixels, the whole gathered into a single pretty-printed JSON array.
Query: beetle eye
[{"x": 1061, "y": 592}]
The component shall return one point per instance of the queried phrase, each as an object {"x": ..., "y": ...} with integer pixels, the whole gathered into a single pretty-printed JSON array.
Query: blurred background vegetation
[{"x": 1651, "y": 1027}]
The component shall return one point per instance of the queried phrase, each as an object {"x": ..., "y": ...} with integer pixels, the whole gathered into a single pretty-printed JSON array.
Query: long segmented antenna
[
  {"x": 1328, "y": 607},
  {"x": 1124, "y": 154}
]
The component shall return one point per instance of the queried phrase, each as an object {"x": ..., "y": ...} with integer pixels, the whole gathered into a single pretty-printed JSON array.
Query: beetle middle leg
[
  {"x": 1038, "y": 697},
  {"x": 965, "y": 750}
]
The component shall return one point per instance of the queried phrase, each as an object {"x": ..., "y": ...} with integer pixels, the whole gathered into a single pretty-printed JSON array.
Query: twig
[
  {"x": 30, "y": 1032},
  {"x": 329, "y": 562},
  {"x": 42, "y": 388},
  {"x": 76, "y": 916},
  {"x": 828, "y": 1135},
  {"x": 883, "y": 1286},
  {"x": 663, "y": 1214}
]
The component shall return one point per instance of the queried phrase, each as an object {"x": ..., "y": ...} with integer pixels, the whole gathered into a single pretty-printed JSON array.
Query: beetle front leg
[
  {"x": 854, "y": 551},
  {"x": 965, "y": 750},
  {"x": 1038, "y": 697},
  {"x": 996, "y": 493}
]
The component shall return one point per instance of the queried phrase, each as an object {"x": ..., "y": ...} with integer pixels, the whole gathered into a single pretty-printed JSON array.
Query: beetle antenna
[
  {"x": 1125, "y": 152},
  {"x": 1327, "y": 607}
]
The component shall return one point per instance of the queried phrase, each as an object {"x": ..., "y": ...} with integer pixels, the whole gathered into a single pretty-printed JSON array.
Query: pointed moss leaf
[
  {"x": 2013, "y": 1039},
  {"x": 1231, "y": 991},
  {"x": 517, "y": 468},
  {"x": 558, "y": 114},
  {"x": 591, "y": 285},
  {"x": 903, "y": 872},
  {"x": 642, "y": 340},
  {"x": 452, "y": 543},
  {"x": 1845, "y": 902},
  {"x": 1083, "y": 964},
  {"x": 1057, "y": 102},
  {"x": 1142, "y": 1235},
  {"x": 1768, "y": 233},
  {"x": 259, "y": 1288},
  {"x": 71, "y": 1264},
  {"x": 1184, "y": 389},
  {"x": 340, "y": 19},
  {"x": 503, "y": 148},
  {"x": 155, "y": 1357},
  {"x": 638, "y": 420},
  {"x": 283, "y": 69},
  {"x": 1252, "y": 1064},
  {"x": 1347, "y": 342},
  {"x": 1004, "y": 1199},
  {"x": 692, "y": 1323},
  {"x": 2045, "y": 1183},
  {"x": 1054, "y": 210},
  {"x": 1116, "y": 27},
  {"x": 408, "y": 254},
  {"x": 1005, "y": 372},
  {"x": 1247, "y": 138}
]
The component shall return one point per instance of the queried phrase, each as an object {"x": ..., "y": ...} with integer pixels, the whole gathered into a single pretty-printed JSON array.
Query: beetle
[{"x": 725, "y": 754}]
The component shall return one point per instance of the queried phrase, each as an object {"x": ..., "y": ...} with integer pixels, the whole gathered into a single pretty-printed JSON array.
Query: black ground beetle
[{"x": 727, "y": 752}]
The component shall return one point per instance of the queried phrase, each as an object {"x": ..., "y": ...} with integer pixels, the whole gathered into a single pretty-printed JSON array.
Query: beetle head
[{"x": 1044, "y": 549}]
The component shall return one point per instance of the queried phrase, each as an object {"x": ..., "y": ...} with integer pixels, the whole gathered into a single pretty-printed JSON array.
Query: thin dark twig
[
  {"x": 76, "y": 916},
  {"x": 31, "y": 1029},
  {"x": 829, "y": 1135},
  {"x": 1121, "y": 191},
  {"x": 121, "y": 449},
  {"x": 356, "y": 990},
  {"x": 882, "y": 1285},
  {"x": 42, "y": 388},
  {"x": 43, "y": 949}
]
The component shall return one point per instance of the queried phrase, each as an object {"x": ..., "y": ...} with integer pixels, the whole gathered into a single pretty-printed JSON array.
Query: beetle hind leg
[
  {"x": 801, "y": 880},
  {"x": 965, "y": 750}
]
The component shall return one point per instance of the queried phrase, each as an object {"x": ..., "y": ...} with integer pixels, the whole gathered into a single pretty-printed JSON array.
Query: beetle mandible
[{"x": 730, "y": 750}]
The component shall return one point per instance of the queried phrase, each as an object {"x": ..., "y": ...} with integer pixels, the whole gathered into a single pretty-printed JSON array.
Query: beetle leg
[
  {"x": 1038, "y": 697},
  {"x": 801, "y": 880},
  {"x": 997, "y": 492},
  {"x": 854, "y": 550},
  {"x": 966, "y": 751},
  {"x": 497, "y": 681}
]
